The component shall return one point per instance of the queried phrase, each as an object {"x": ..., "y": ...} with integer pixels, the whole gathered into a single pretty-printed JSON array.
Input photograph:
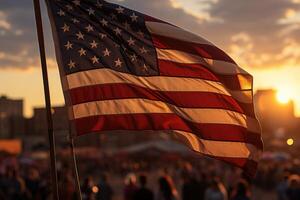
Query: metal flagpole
[
  {"x": 39, "y": 26},
  {"x": 79, "y": 195}
]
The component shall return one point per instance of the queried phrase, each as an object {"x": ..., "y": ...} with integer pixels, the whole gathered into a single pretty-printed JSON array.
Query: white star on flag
[
  {"x": 80, "y": 35},
  {"x": 131, "y": 41},
  {"x": 61, "y": 13},
  {"x": 71, "y": 64},
  {"x": 89, "y": 28},
  {"x": 75, "y": 21},
  {"x": 65, "y": 28},
  {"x": 104, "y": 22},
  {"x": 120, "y": 10},
  {"x": 69, "y": 7},
  {"x": 94, "y": 44},
  {"x": 133, "y": 17},
  {"x": 106, "y": 52},
  {"x": 91, "y": 11},
  {"x": 118, "y": 63},
  {"x": 102, "y": 35},
  {"x": 118, "y": 31},
  {"x": 69, "y": 45},
  {"x": 82, "y": 52},
  {"x": 95, "y": 60}
]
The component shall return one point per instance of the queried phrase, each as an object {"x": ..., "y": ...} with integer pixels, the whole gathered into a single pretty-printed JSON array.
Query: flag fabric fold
[{"x": 124, "y": 70}]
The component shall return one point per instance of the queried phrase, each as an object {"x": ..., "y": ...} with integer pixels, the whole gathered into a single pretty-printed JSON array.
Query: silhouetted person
[
  {"x": 19, "y": 185},
  {"x": 282, "y": 187},
  {"x": 293, "y": 191},
  {"x": 143, "y": 193},
  {"x": 66, "y": 185},
  {"x": 192, "y": 189},
  {"x": 33, "y": 182},
  {"x": 241, "y": 191},
  {"x": 165, "y": 190},
  {"x": 130, "y": 187},
  {"x": 105, "y": 190},
  {"x": 86, "y": 189},
  {"x": 216, "y": 191}
]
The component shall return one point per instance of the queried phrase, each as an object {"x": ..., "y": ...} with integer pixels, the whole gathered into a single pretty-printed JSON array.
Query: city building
[{"x": 12, "y": 122}]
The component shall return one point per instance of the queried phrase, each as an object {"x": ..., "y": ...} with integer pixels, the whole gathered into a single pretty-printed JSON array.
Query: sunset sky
[{"x": 263, "y": 37}]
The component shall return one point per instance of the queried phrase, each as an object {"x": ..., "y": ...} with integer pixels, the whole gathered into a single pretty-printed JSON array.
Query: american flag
[{"x": 124, "y": 70}]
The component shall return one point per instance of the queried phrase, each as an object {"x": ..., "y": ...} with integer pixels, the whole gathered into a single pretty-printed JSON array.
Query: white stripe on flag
[{"x": 219, "y": 148}]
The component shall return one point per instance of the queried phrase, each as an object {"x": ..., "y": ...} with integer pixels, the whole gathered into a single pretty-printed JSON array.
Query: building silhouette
[{"x": 12, "y": 121}]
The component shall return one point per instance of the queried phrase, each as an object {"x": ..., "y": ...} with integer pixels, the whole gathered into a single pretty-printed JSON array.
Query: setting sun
[{"x": 283, "y": 97}]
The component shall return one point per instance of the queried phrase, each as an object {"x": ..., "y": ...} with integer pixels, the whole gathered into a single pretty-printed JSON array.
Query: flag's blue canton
[{"x": 95, "y": 34}]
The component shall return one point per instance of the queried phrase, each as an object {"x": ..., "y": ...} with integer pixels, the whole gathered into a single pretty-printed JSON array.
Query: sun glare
[
  {"x": 282, "y": 97},
  {"x": 290, "y": 141}
]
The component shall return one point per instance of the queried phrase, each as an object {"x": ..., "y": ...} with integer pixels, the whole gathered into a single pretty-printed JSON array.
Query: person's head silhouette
[{"x": 143, "y": 180}]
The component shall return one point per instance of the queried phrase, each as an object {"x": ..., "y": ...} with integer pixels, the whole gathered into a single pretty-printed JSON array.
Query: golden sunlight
[
  {"x": 283, "y": 97},
  {"x": 290, "y": 13}
]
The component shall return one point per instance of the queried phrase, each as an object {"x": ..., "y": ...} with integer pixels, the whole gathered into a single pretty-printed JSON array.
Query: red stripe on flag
[
  {"x": 166, "y": 121},
  {"x": 168, "y": 68},
  {"x": 204, "y": 50},
  {"x": 180, "y": 99}
]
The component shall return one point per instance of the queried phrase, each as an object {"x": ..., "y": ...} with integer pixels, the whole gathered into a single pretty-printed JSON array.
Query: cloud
[
  {"x": 18, "y": 49},
  {"x": 291, "y": 16},
  {"x": 290, "y": 53},
  {"x": 244, "y": 37},
  {"x": 242, "y": 49},
  {"x": 197, "y": 8},
  {"x": 4, "y": 24},
  {"x": 262, "y": 38}
]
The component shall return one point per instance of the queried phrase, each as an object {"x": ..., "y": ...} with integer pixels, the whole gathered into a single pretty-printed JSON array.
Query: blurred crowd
[
  {"x": 28, "y": 186},
  {"x": 149, "y": 179}
]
